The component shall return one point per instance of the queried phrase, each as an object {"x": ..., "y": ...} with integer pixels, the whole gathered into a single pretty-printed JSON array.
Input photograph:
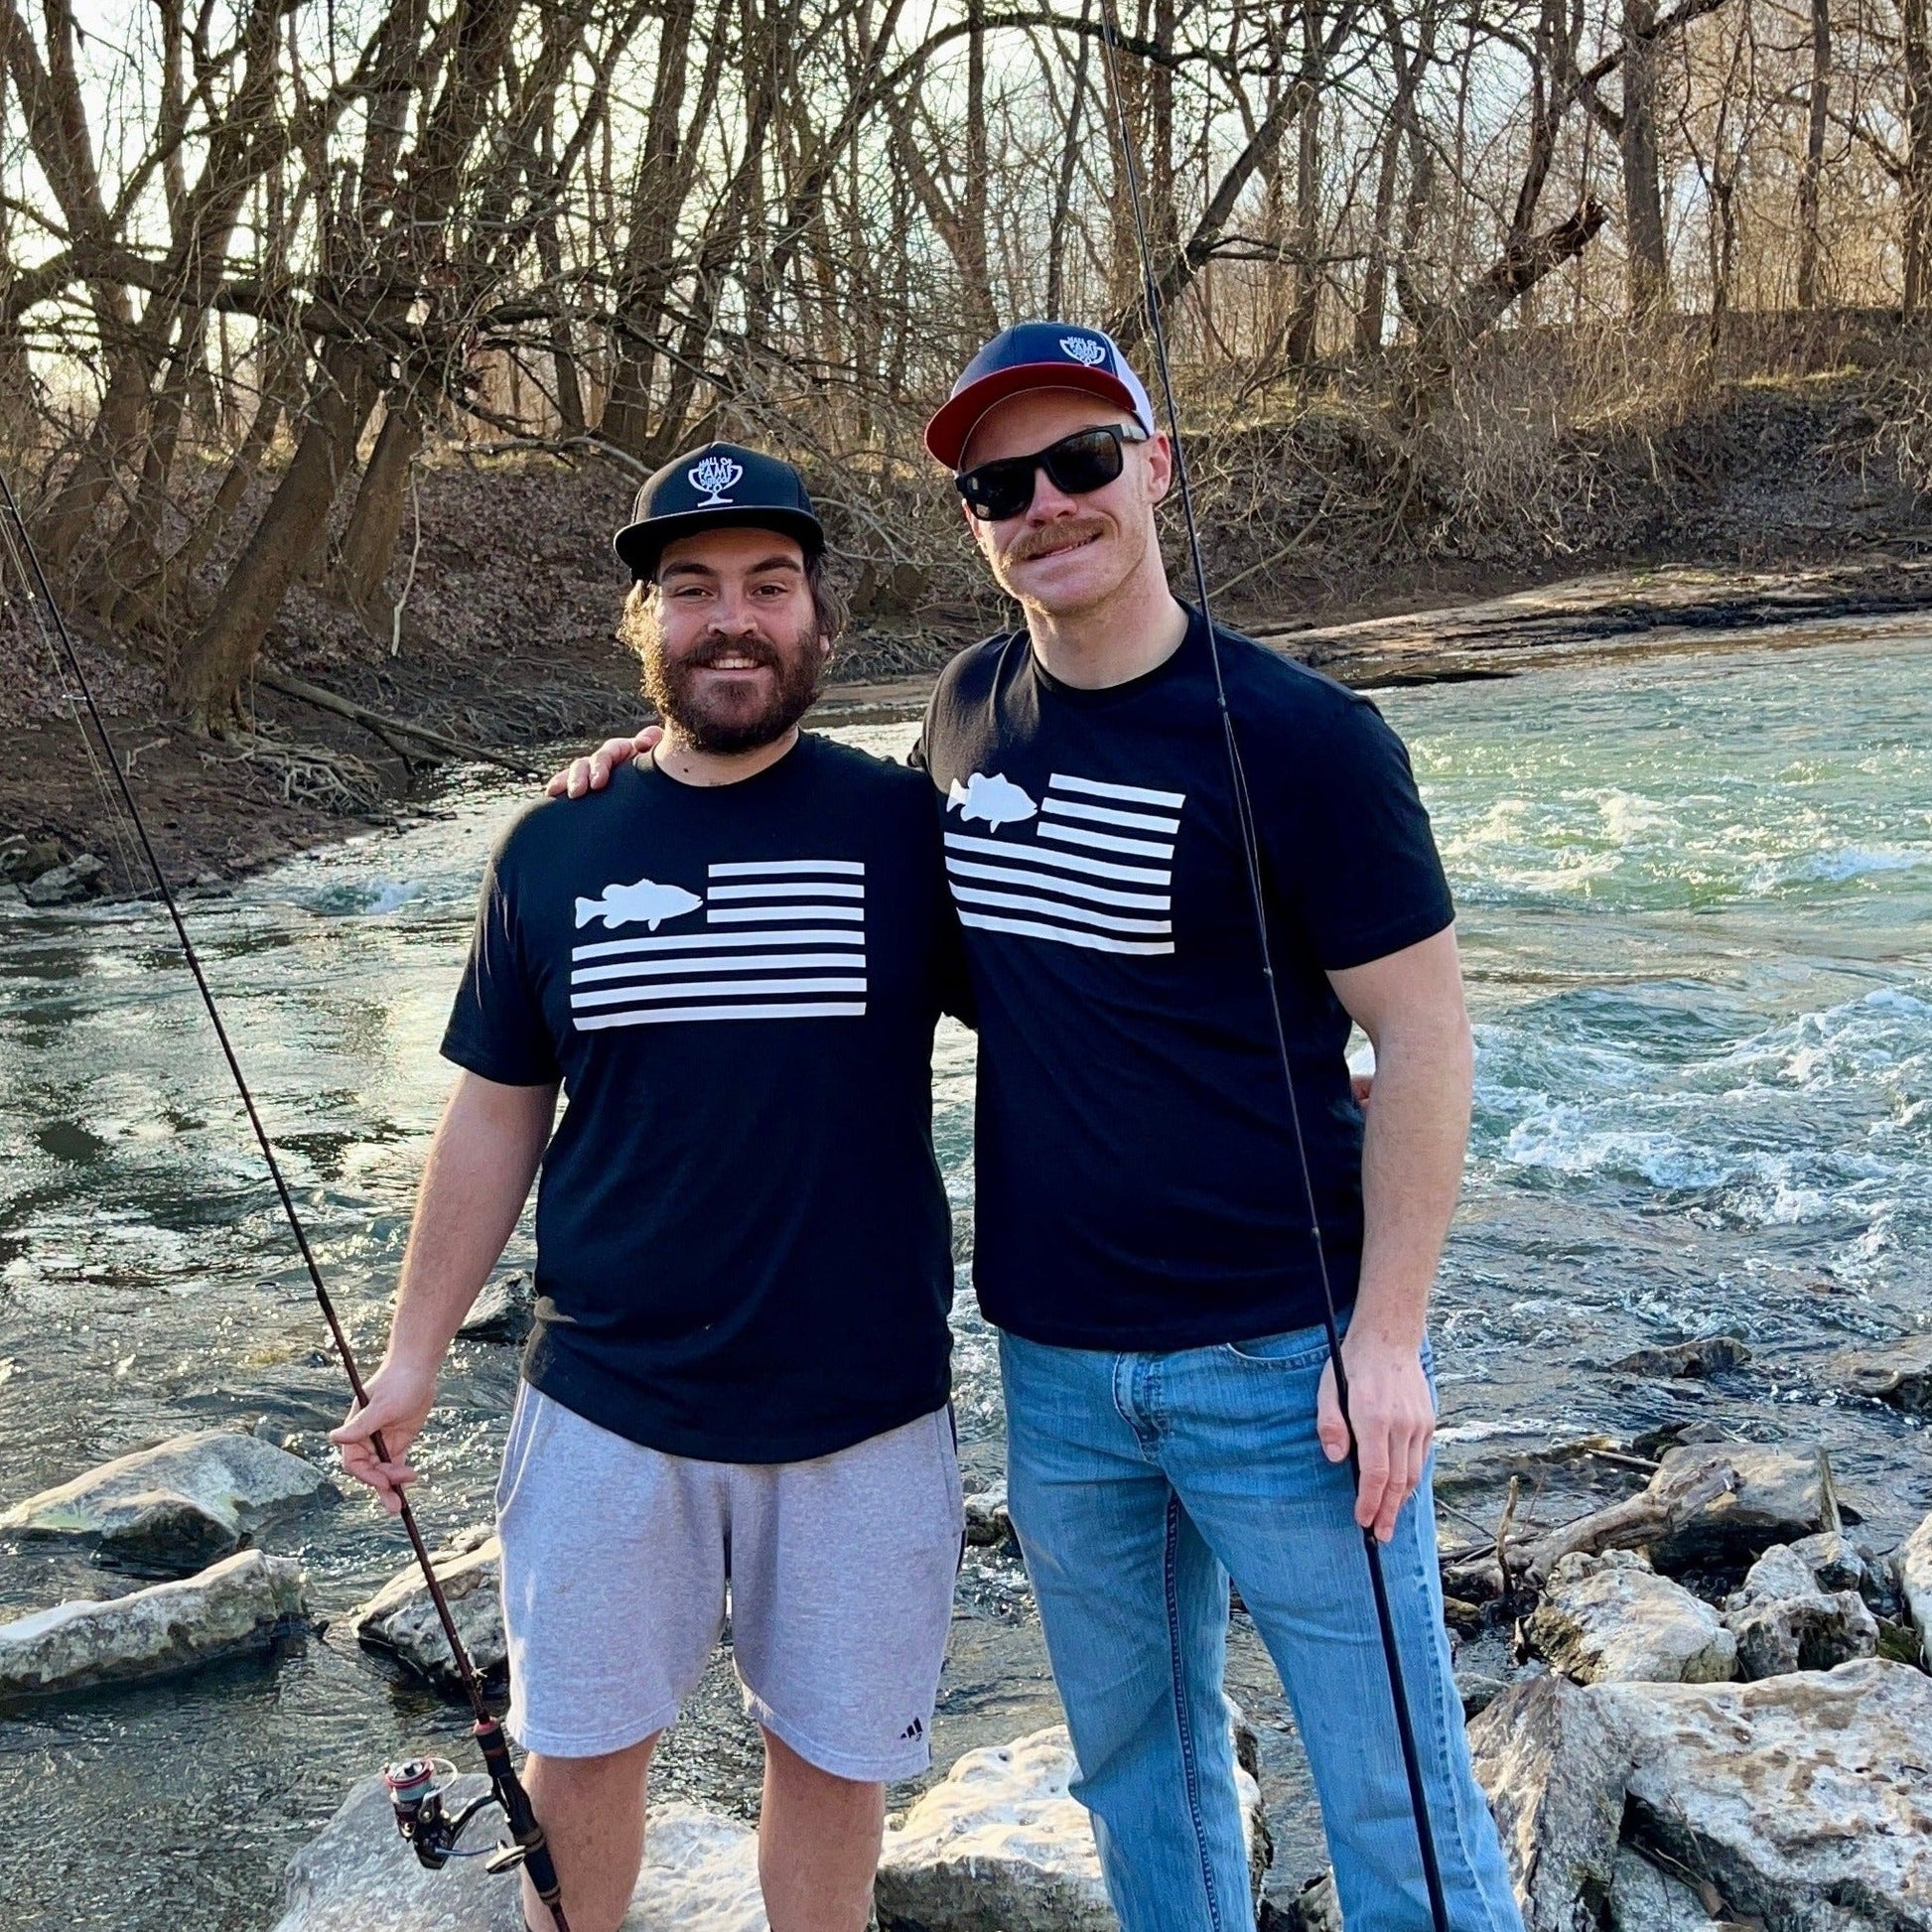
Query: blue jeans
[{"x": 1139, "y": 1484}]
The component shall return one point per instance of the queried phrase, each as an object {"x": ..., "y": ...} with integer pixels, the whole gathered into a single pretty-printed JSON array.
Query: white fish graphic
[
  {"x": 996, "y": 799},
  {"x": 647, "y": 901}
]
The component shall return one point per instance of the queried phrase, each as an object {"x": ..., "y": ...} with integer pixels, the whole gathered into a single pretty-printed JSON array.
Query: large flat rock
[
  {"x": 357, "y": 1876},
  {"x": 242, "y": 1603},
  {"x": 1001, "y": 1845},
  {"x": 176, "y": 1506},
  {"x": 1763, "y": 1496}
]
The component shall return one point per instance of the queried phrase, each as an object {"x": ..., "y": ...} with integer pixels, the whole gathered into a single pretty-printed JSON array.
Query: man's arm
[
  {"x": 1410, "y": 1005},
  {"x": 481, "y": 1160}
]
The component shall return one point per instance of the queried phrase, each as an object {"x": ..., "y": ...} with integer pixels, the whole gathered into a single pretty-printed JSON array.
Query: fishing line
[
  {"x": 1110, "y": 41},
  {"x": 508, "y": 1790}
]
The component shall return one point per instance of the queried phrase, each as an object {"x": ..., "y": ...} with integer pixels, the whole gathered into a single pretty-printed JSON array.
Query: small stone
[
  {"x": 1779, "y": 1572},
  {"x": 1612, "y": 1616},
  {"x": 1899, "y": 1374},
  {"x": 1811, "y": 1631},
  {"x": 1687, "y": 1360},
  {"x": 64, "y": 884},
  {"x": 24, "y": 858},
  {"x": 988, "y": 1524},
  {"x": 177, "y": 1505},
  {"x": 1314, "y": 1908},
  {"x": 700, "y": 1874},
  {"x": 504, "y": 1312},
  {"x": 1835, "y": 1561},
  {"x": 1478, "y": 1691},
  {"x": 1000, "y": 1842},
  {"x": 242, "y": 1603},
  {"x": 402, "y": 1621}
]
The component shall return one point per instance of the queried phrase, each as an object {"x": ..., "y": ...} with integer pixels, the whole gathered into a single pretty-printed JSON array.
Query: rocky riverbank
[{"x": 1702, "y": 1703}]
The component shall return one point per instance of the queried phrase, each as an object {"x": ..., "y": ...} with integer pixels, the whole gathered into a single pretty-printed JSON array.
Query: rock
[
  {"x": 1614, "y": 1616},
  {"x": 64, "y": 884},
  {"x": 700, "y": 1876},
  {"x": 1766, "y": 1496},
  {"x": 1314, "y": 1908},
  {"x": 1000, "y": 1845},
  {"x": 1912, "y": 1564},
  {"x": 24, "y": 858},
  {"x": 1900, "y": 1373},
  {"x": 1554, "y": 1774},
  {"x": 1688, "y": 1360},
  {"x": 1835, "y": 1561},
  {"x": 1812, "y": 1631},
  {"x": 504, "y": 1312},
  {"x": 1803, "y": 1799},
  {"x": 402, "y": 1621},
  {"x": 1779, "y": 1572},
  {"x": 240, "y": 1604},
  {"x": 1479, "y": 1690},
  {"x": 987, "y": 1523},
  {"x": 1645, "y": 1899},
  {"x": 176, "y": 1506}
]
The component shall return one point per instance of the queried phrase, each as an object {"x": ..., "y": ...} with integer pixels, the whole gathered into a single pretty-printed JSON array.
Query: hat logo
[
  {"x": 715, "y": 475},
  {"x": 1083, "y": 348}
]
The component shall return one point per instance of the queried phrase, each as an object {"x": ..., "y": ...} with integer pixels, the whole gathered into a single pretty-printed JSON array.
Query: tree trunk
[
  {"x": 1300, "y": 344},
  {"x": 361, "y": 563},
  {"x": 1917, "y": 182},
  {"x": 1816, "y": 121},
  {"x": 1644, "y": 202},
  {"x": 207, "y": 678}
]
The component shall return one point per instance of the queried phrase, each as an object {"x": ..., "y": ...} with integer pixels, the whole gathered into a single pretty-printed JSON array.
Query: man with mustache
[
  {"x": 732, "y": 961},
  {"x": 1143, "y": 1240}
]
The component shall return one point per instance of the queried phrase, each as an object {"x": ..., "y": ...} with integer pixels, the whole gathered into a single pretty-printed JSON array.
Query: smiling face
[
  {"x": 731, "y": 638},
  {"x": 1067, "y": 554}
]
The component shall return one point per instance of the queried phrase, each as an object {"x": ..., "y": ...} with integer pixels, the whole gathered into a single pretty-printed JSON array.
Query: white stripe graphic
[
  {"x": 650, "y": 1017},
  {"x": 693, "y": 988},
  {"x": 1105, "y": 815},
  {"x": 1105, "y": 842},
  {"x": 767, "y": 867},
  {"x": 743, "y": 914},
  {"x": 795, "y": 889},
  {"x": 1093, "y": 941},
  {"x": 1019, "y": 874},
  {"x": 1021, "y": 903},
  {"x": 1066, "y": 861},
  {"x": 1134, "y": 794},
  {"x": 750, "y": 962},
  {"x": 705, "y": 942}
]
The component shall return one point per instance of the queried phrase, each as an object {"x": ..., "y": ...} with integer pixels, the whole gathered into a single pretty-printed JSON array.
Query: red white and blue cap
[{"x": 1036, "y": 355}]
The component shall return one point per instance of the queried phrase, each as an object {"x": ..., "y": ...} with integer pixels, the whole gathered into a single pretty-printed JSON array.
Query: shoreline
[{"x": 231, "y": 809}]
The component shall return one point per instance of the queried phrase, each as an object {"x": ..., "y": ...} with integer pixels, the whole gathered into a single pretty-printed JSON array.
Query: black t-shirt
[
  {"x": 744, "y": 1248},
  {"x": 1137, "y": 1178}
]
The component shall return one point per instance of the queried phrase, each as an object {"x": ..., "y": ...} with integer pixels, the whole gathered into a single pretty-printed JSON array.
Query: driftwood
[{"x": 383, "y": 726}]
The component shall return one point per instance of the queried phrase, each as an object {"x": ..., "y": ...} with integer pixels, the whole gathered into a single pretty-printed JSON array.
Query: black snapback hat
[{"x": 719, "y": 485}]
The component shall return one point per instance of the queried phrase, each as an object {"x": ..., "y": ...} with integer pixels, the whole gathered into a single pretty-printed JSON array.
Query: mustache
[
  {"x": 714, "y": 645},
  {"x": 1060, "y": 535}
]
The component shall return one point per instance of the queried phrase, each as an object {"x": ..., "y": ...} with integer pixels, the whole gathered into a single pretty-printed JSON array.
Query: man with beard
[
  {"x": 732, "y": 961},
  {"x": 1142, "y": 1233}
]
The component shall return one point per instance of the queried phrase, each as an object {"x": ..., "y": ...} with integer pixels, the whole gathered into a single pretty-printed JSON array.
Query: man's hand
[
  {"x": 594, "y": 772},
  {"x": 400, "y": 1398},
  {"x": 1395, "y": 1423}
]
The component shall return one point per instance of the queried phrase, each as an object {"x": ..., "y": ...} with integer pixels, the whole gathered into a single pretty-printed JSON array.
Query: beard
[{"x": 716, "y": 721}]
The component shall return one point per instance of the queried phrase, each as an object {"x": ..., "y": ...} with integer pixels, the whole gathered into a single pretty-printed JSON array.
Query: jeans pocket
[{"x": 1292, "y": 1349}]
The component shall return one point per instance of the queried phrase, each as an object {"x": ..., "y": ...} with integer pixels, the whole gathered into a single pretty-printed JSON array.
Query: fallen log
[{"x": 383, "y": 726}]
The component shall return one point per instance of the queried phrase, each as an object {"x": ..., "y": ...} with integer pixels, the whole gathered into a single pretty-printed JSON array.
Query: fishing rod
[
  {"x": 1110, "y": 40},
  {"x": 417, "y": 1786}
]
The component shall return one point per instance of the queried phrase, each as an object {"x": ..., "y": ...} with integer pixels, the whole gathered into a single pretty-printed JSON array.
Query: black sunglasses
[{"x": 1089, "y": 459}]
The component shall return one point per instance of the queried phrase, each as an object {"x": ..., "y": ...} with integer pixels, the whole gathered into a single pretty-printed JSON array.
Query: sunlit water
[{"x": 1697, "y": 910}]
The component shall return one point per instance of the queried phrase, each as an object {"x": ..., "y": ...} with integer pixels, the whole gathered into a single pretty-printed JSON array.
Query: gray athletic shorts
[{"x": 617, "y": 1559}]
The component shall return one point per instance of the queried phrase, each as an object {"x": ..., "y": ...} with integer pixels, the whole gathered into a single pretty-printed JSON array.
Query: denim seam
[
  {"x": 1435, "y": 1696},
  {"x": 1183, "y": 1716}
]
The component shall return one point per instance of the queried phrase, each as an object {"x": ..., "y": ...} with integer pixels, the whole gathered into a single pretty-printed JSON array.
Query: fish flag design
[
  {"x": 1097, "y": 870},
  {"x": 643, "y": 903},
  {"x": 782, "y": 939},
  {"x": 997, "y": 800}
]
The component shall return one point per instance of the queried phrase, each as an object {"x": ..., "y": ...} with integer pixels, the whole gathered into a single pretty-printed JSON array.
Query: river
[{"x": 1696, "y": 900}]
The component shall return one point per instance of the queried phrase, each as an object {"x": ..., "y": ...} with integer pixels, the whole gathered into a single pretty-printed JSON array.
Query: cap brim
[
  {"x": 640, "y": 545},
  {"x": 947, "y": 433}
]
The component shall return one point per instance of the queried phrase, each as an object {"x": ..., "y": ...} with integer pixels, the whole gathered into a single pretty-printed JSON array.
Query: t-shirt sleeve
[
  {"x": 497, "y": 1028},
  {"x": 1344, "y": 830}
]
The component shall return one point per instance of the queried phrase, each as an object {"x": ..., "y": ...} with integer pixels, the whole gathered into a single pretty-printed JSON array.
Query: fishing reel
[{"x": 418, "y": 1789}]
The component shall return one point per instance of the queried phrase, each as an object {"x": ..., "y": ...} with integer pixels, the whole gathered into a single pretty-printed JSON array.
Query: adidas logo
[{"x": 912, "y": 1732}]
